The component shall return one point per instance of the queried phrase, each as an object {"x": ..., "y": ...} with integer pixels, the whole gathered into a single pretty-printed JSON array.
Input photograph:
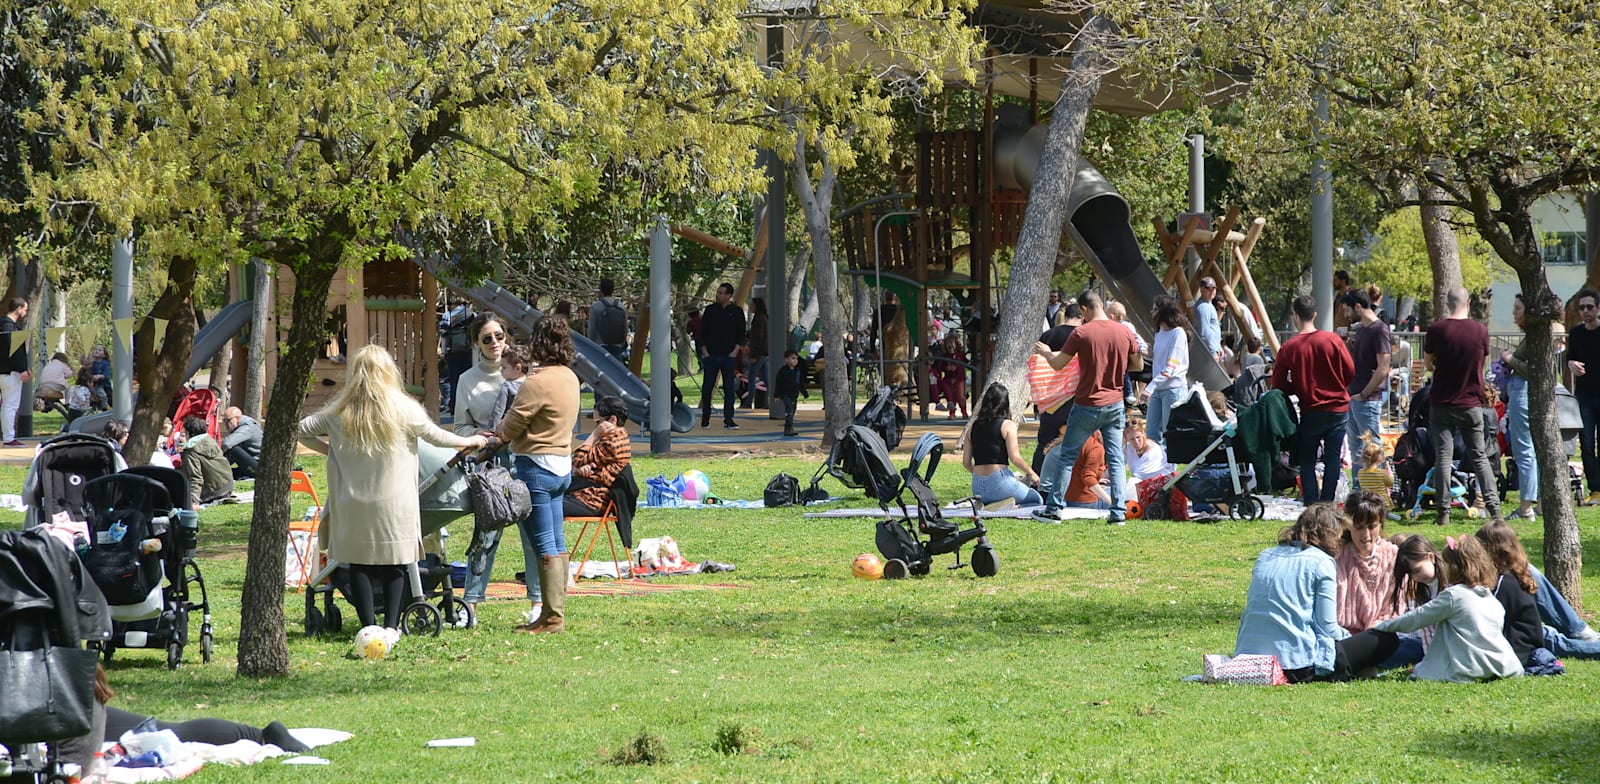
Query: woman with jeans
[
  {"x": 1517, "y": 429},
  {"x": 989, "y": 444},
  {"x": 476, "y": 392},
  {"x": 538, "y": 428},
  {"x": 1169, "y": 366}
]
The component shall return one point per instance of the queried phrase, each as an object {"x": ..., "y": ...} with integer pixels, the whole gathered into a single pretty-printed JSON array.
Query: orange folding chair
[
  {"x": 607, "y": 522},
  {"x": 303, "y": 558}
]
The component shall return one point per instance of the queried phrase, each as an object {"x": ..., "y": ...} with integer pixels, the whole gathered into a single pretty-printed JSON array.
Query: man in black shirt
[
  {"x": 722, "y": 333},
  {"x": 1583, "y": 359},
  {"x": 14, "y": 369}
]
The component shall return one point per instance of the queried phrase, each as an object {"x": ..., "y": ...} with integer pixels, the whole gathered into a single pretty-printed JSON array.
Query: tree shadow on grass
[{"x": 1563, "y": 751}]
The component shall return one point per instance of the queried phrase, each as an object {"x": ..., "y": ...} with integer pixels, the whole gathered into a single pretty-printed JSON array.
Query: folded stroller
[
  {"x": 141, "y": 554},
  {"x": 899, "y": 538},
  {"x": 1201, "y": 445}
]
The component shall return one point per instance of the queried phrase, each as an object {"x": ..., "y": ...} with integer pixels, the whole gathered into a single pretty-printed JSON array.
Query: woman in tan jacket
[
  {"x": 371, "y": 519},
  {"x": 538, "y": 427}
]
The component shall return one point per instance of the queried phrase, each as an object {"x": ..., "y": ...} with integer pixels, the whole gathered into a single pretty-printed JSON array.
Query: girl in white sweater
[
  {"x": 1468, "y": 642},
  {"x": 1169, "y": 366}
]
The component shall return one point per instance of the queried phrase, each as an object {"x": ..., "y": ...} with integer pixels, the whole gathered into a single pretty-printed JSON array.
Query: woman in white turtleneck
[
  {"x": 476, "y": 391},
  {"x": 480, "y": 384}
]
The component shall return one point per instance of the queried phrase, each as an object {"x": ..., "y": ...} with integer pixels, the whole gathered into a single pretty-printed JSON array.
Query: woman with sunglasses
[{"x": 476, "y": 392}]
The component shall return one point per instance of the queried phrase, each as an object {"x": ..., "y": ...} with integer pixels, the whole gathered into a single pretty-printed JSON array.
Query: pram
[
  {"x": 55, "y": 479},
  {"x": 1194, "y": 436},
  {"x": 899, "y": 538},
  {"x": 850, "y": 462},
  {"x": 197, "y": 402},
  {"x": 443, "y": 497},
  {"x": 141, "y": 554}
]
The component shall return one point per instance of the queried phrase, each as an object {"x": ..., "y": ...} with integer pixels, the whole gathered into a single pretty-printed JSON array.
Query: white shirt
[
  {"x": 1169, "y": 360},
  {"x": 1152, "y": 463}
]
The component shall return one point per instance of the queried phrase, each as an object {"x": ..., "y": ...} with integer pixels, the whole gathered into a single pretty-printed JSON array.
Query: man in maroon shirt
[
  {"x": 1455, "y": 350},
  {"x": 1315, "y": 366},
  {"x": 1106, "y": 351}
]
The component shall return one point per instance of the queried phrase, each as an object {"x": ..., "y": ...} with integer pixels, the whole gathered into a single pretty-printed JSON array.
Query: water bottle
[{"x": 96, "y": 774}]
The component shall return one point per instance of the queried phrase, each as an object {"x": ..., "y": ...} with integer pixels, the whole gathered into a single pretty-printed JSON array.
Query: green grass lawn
[{"x": 1064, "y": 667}]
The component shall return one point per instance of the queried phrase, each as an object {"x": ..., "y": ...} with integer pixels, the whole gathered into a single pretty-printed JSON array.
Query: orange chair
[
  {"x": 304, "y": 552},
  {"x": 607, "y": 522}
]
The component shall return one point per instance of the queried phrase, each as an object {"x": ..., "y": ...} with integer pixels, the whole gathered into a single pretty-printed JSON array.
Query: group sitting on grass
[{"x": 1334, "y": 601}]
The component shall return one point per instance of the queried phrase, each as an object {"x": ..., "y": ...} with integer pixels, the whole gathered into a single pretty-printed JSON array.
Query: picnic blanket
[{"x": 1276, "y": 509}]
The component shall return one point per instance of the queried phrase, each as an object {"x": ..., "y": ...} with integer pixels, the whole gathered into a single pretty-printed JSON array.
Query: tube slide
[
  {"x": 207, "y": 342},
  {"x": 1098, "y": 220},
  {"x": 593, "y": 364}
]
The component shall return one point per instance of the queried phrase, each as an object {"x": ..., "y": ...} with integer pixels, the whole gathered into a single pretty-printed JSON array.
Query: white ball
[
  {"x": 696, "y": 485},
  {"x": 372, "y": 642}
]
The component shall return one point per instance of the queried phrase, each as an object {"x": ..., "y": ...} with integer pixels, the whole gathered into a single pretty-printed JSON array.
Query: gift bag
[
  {"x": 1249, "y": 669},
  {"x": 1050, "y": 387}
]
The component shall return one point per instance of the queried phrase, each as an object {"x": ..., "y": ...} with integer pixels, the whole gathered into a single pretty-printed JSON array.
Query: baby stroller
[
  {"x": 1202, "y": 446},
  {"x": 141, "y": 554},
  {"x": 443, "y": 497},
  {"x": 55, "y": 479},
  {"x": 851, "y": 461},
  {"x": 899, "y": 538}
]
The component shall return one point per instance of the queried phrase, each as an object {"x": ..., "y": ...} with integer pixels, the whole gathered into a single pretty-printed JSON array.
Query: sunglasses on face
[
  {"x": 1586, "y": 307},
  {"x": 493, "y": 338}
]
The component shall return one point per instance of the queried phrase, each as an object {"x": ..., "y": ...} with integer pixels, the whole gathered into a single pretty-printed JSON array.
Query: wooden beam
[
  {"x": 713, "y": 242},
  {"x": 430, "y": 344},
  {"x": 747, "y": 281},
  {"x": 641, "y": 337}
]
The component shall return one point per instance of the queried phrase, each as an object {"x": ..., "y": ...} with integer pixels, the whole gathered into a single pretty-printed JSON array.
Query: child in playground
[
  {"x": 80, "y": 396},
  {"x": 952, "y": 372},
  {"x": 1468, "y": 642},
  {"x": 1374, "y": 476},
  {"x": 100, "y": 377},
  {"x": 791, "y": 385}
]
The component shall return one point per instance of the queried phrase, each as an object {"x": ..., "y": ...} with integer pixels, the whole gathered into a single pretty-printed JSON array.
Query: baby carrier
[{"x": 900, "y": 538}]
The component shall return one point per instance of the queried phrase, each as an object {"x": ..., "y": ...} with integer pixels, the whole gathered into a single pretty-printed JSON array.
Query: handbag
[
  {"x": 46, "y": 694},
  {"x": 1250, "y": 669},
  {"x": 498, "y": 498}
]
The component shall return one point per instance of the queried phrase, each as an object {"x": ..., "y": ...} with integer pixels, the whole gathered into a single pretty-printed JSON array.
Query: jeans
[
  {"x": 244, "y": 466},
  {"x": 1562, "y": 645},
  {"x": 786, "y": 405},
  {"x": 1001, "y": 485},
  {"x": 1158, "y": 412},
  {"x": 1554, "y": 609},
  {"x": 620, "y": 352},
  {"x": 1521, "y": 438},
  {"x": 1443, "y": 423},
  {"x": 10, "y": 403},
  {"x": 1364, "y": 419},
  {"x": 1587, "y": 408},
  {"x": 1324, "y": 430},
  {"x": 758, "y": 375},
  {"x": 541, "y": 529},
  {"x": 713, "y": 365},
  {"x": 1410, "y": 652},
  {"x": 1083, "y": 422},
  {"x": 1402, "y": 394}
]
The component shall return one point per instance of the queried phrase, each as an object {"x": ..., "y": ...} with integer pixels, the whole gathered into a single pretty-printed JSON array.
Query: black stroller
[
  {"x": 899, "y": 538},
  {"x": 57, "y": 475},
  {"x": 850, "y": 462},
  {"x": 141, "y": 554},
  {"x": 1210, "y": 472}
]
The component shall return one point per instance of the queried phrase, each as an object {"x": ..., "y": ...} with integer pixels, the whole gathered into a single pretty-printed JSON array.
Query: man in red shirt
[
  {"x": 1105, "y": 352},
  {"x": 1315, "y": 366},
  {"x": 1455, "y": 350}
]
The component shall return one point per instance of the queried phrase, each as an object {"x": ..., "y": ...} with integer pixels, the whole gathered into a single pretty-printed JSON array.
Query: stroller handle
[{"x": 973, "y": 501}]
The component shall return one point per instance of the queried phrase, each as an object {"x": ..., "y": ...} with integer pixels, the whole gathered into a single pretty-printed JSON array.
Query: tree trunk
[
  {"x": 1440, "y": 237},
  {"x": 798, "y": 267},
  {"x": 263, "y": 648},
  {"x": 160, "y": 373},
  {"x": 816, "y": 205},
  {"x": 1040, "y": 239},
  {"x": 256, "y": 376}
]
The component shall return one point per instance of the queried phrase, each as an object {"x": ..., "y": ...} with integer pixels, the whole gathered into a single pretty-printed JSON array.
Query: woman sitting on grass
[
  {"x": 1468, "y": 643},
  {"x": 989, "y": 444},
  {"x": 1365, "y": 564},
  {"x": 1291, "y": 610}
]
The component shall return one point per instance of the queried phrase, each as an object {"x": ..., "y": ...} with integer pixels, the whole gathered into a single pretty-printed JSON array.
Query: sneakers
[
  {"x": 1046, "y": 515},
  {"x": 1592, "y": 500},
  {"x": 730, "y": 425},
  {"x": 1524, "y": 514},
  {"x": 1589, "y": 634},
  {"x": 14, "y": 442},
  {"x": 791, "y": 432},
  {"x": 1116, "y": 522}
]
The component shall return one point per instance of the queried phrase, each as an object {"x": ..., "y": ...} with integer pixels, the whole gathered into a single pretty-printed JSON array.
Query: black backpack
[
  {"x": 783, "y": 490},
  {"x": 612, "y": 322}
]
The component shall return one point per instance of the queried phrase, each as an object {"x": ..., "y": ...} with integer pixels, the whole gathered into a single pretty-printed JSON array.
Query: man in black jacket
[
  {"x": 722, "y": 333},
  {"x": 14, "y": 369}
]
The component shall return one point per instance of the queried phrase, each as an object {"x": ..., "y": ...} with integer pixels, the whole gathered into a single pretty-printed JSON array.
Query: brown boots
[{"x": 553, "y": 584}]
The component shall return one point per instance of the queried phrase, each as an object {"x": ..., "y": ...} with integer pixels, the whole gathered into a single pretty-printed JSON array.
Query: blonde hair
[
  {"x": 1372, "y": 453},
  {"x": 373, "y": 406}
]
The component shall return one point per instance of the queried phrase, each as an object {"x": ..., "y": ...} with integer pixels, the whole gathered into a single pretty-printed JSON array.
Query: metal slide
[
  {"x": 1098, "y": 222},
  {"x": 593, "y": 364},
  {"x": 207, "y": 342}
]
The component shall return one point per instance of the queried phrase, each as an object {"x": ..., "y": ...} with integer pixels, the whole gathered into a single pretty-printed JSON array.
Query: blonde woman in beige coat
[{"x": 371, "y": 519}]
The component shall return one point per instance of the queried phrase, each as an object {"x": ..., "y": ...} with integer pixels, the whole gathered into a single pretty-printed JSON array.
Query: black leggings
[
  {"x": 1352, "y": 654},
  {"x": 217, "y": 732},
  {"x": 391, "y": 578}
]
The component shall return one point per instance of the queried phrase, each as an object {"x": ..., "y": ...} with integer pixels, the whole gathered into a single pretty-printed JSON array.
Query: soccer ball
[
  {"x": 867, "y": 567},
  {"x": 372, "y": 642},
  {"x": 696, "y": 485}
]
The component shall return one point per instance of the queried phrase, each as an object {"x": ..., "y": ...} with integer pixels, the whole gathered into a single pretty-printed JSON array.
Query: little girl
[
  {"x": 1517, "y": 589},
  {"x": 513, "y": 366},
  {"x": 80, "y": 396},
  {"x": 1468, "y": 644},
  {"x": 1374, "y": 476}
]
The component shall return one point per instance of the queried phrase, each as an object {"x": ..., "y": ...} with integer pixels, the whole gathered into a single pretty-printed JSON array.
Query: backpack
[
  {"x": 783, "y": 490},
  {"x": 1413, "y": 455},
  {"x": 611, "y": 323},
  {"x": 498, "y": 498}
]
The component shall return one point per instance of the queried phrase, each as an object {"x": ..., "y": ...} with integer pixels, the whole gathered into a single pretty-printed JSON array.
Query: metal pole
[
  {"x": 1197, "y": 173},
  {"x": 661, "y": 337},
  {"x": 777, "y": 253},
  {"x": 121, "y": 307},
  {"x": 1322, "y": 225}
]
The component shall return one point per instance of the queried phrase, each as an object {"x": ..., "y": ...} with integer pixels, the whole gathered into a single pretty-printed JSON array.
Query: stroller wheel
[
  {"x": 205, "y": 648},
  {"x": 421, "y": 618},
  {"x": 174, "y": 655},
  {"x": 984, "y": 562},
  {"x": 895, "y": 569},
  {"x": 1245, "y": 508},
  {"x": 313, "y": 622},
  {"x": 465, "y": 615},
  {"x": 333, "y": 620}
]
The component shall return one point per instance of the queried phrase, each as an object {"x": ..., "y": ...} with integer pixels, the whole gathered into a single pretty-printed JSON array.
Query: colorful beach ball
[{"x": 696, "y": 485}]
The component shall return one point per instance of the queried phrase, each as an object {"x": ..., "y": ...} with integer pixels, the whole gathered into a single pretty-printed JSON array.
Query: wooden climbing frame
[{"x": 1192, "y": 234}]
